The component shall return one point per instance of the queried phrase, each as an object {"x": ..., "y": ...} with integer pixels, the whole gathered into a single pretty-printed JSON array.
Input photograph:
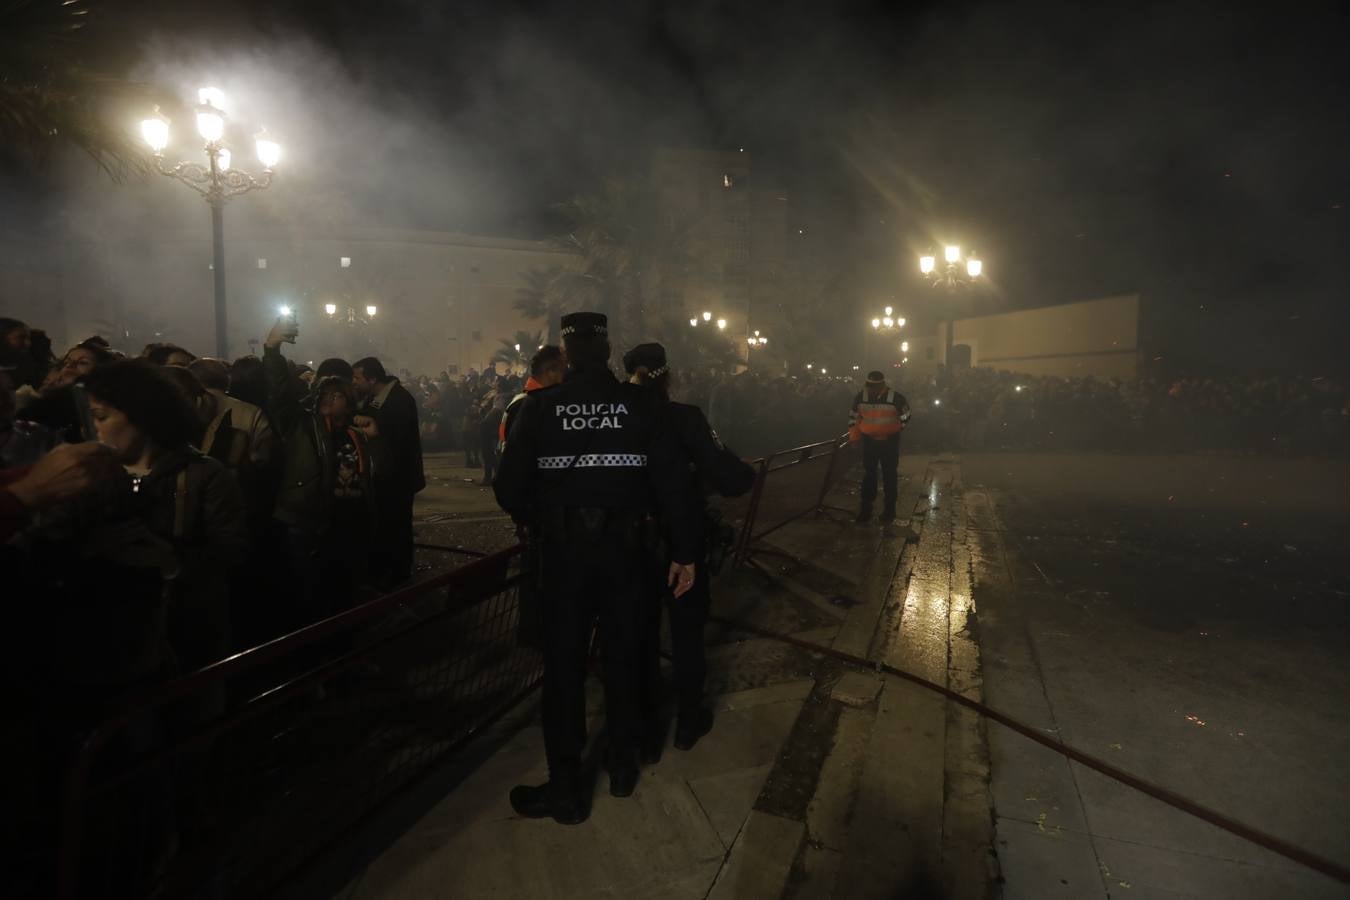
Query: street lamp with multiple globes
[
  {"x": 952, "y": 275},
  {"x": 350, "y": 314},
  {"x": 215, "y": 180},
  {"x": 888, "y": 323}
]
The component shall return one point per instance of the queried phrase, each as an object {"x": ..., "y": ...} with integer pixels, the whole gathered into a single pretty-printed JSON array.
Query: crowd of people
[
  {"x": 984, "y": 409},
  {"x": 159, "y": 511}
]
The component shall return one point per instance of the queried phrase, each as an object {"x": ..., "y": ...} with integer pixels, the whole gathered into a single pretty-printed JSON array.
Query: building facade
[
  {"x": 441, "y": 300},
  {"x": 1091, "y": 337}
]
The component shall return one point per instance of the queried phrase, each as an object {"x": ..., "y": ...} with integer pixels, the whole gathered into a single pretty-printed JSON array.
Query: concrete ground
[{"x": 1184, "y": 618}]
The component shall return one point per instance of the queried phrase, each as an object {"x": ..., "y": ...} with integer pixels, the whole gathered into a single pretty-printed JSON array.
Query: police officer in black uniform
[
  {"x": 582, "y": 465},
  {"x": 707, "y": 466}
]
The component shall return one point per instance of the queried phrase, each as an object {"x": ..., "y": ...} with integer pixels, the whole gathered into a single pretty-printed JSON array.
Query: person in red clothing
[
  {"x": 877, "y": 418},
  {"x": 546, "y": 370}
]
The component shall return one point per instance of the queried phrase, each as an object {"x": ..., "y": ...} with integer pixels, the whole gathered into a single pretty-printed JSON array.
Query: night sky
[{"x": 1192, "y": 153}]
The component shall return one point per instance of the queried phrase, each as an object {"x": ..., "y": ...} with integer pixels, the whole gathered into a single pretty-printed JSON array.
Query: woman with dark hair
[
  {"x": 327, "y": 498},
  {"x": 164, "y": 354},
  {"x": 182, "y": 497},
  {"x": 78, "y": 362}
]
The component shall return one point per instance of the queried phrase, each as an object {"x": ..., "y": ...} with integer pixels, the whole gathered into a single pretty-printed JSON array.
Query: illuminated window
[
  {"x": 262, "y": 262},
  {"x": 346, "y": 262}
]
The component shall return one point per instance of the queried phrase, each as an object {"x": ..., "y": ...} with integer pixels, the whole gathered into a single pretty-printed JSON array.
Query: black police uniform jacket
[
  {"x": 594, "y": 441},
  {"x": 708, "y": 464}
]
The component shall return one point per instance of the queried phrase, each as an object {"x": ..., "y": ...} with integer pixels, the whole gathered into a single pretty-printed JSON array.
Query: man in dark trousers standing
[
  {"x": 582, "y": 464},
  {"x": 395, "y": 413},
  {"x": 878, "y": 416},
  {"x": 708, "y": 467}
]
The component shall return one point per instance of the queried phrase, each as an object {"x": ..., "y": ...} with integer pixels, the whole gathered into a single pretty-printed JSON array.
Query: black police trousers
[
  {"x": 884, "y": 454},
  {"x": 593, "y": 572},
  {"x": 689, "y": 657}
]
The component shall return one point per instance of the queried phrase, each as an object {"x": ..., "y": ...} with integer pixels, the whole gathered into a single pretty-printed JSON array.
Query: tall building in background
[{"x": 733, "y": 230}]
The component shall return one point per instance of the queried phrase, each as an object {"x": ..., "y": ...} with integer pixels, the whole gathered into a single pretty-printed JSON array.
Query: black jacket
[
  {"x": 305, "y": 499},
  {"x": 396, "y": 417},
  {"x": 708, "y": 465},
  {"x": 593, "y": 441}
]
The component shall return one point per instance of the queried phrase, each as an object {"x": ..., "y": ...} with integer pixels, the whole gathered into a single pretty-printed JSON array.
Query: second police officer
[
  {"x": 581, "y": 466},
  {"x": 707, "y": 465}
]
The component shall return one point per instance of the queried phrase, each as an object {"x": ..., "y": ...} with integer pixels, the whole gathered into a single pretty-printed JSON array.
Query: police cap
[
  {"x": 651, "y": 357},
  {"x": 585, "y": 323},
  {"x": 875, "y": 377}
]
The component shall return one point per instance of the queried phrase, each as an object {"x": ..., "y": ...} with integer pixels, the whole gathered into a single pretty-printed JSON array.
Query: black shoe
[
  {"x": 650, "y": 752},
  {"x": 546, "y": 800},
  {"x": 691, "y": 727},
  {"x": 622, "y": 782}
]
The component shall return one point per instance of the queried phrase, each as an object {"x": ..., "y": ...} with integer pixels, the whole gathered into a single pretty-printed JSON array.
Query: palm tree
[
  {"x": 50, "y": 99},
  {"x": 516, "y": 351},
  {"x": 626, "y": 252}
]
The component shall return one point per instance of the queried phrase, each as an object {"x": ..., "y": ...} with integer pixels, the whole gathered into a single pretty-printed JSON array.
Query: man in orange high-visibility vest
[{"x": 879, "y": 415}]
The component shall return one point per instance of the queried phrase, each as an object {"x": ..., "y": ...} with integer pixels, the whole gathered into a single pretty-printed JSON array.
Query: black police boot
[
  {"x": 565, "y": 805},
  {"x": 692, "y": 726},
  {"x": 622, "y": 782}
]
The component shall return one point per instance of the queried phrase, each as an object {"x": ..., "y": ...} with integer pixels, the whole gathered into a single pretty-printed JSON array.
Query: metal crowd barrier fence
[
  {"x": 319, "y": 727},
  {"x": 790, "y": 485}
]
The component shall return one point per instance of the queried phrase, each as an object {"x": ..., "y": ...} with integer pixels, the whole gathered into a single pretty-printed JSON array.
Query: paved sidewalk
[{"x": 815, "y": 782}]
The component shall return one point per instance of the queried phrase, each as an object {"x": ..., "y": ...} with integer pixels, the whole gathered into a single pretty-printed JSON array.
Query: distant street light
[
  {"x": 216, "y": 181},
  {"x": 721, "y": 324},
  {"x": 707, "y": 317},
  {"x": 350, "y": 314},
  {"x": 952, "y": 276}
]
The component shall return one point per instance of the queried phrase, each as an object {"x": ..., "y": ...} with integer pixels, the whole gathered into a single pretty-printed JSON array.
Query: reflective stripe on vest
[{"x": 879, "y": 418}]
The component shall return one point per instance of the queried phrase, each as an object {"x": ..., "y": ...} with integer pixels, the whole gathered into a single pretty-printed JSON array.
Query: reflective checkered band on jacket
[{"x": 595, "y": 460}]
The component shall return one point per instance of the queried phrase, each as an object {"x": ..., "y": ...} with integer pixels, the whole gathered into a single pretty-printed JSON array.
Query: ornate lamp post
[
  {"x": 885, "y": 324},
  {"x": 952, "y": 276},
  {"x": 215, "y": 180},
  {"x": 752, "y": 342}
]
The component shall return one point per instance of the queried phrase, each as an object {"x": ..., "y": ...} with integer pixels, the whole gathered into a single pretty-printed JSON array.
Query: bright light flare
[
  {"x": 285, "y": 311},
  {"x": 890, "y": 310},
  {"x": 330, "y": 308},
  {"x": 900, "y": 323},
  {"x": 693, "y": 323},
  {"x": 927, "y": 264},
  {"x": 210, "y": 125},
  {"x": 707, "y": 317},
  {"x": 974, "y": 267},
  {"x": 372, "y": 310},
  {"x": 223, "y": 159},
  {"x": 952, "y": 253},
  {"x": 876, "y": 323},
  {"x": 722, "y": 324},
  {"x": 269, "y": 151},
  {"x": 904, "y": 346},
  {"x": 156, "y": 133},
  {"x": 888, "y": 322}
]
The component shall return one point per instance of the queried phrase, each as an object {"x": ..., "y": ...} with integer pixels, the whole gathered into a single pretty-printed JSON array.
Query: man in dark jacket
[
  {"x": 582, "y": 463},
  {"x": 395, "y": 413}
]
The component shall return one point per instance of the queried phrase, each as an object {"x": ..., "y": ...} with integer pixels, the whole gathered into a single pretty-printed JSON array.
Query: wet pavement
[
  {"x": 1184, "y": 618},
  {"x": 1187, "y": 619}
]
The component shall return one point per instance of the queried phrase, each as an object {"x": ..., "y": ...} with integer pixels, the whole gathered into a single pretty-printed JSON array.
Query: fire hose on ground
[{"x": 1171, "y": 798}]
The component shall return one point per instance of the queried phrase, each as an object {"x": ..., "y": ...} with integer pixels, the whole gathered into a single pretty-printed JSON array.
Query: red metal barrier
[
  {"x": 790, "y": 485},
  {"x": 329, "y": 707}
]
